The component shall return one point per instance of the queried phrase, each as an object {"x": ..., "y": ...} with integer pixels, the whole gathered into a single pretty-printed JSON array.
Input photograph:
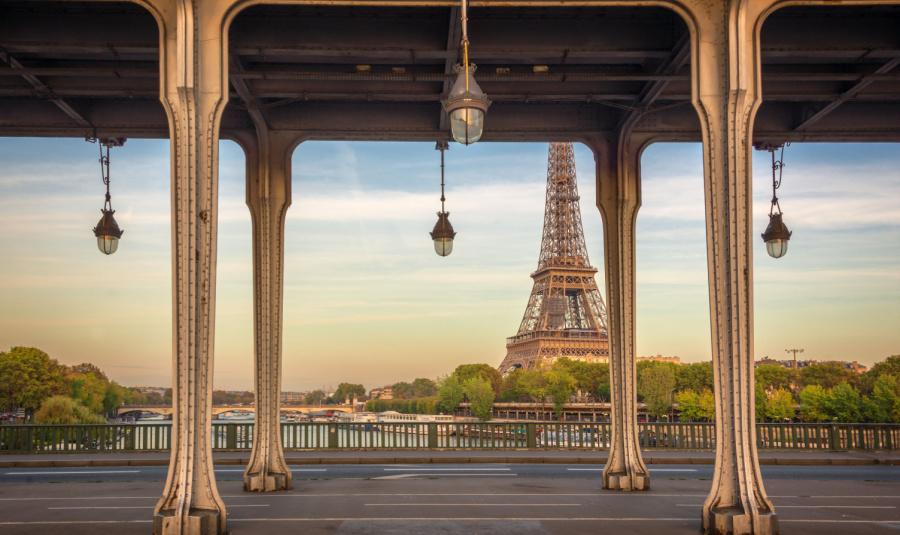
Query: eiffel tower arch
[{"x": 565, "y": 315}]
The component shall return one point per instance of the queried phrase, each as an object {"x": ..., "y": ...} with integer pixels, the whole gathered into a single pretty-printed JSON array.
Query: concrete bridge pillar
[
  {"x": 268, "y": 197},
  {"x": 618, "y": 198},
  {"x": 193, "y": 83},
  {"x": 726, "y": 92}
]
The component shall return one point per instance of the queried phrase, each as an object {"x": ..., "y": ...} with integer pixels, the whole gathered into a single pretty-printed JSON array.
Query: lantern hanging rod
[
  {"x": 777, "y": 168},
  {"x": 442, "y": 146},
  {"x": 107, "y": 142}
]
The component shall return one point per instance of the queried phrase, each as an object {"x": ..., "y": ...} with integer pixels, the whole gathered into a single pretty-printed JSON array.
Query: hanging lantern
[
  {"x": 777, "y": 234},
  {"x": 107, "y": 230},
  {"x": 466, "y": 104},
  {"x": 443, "y": 233}
]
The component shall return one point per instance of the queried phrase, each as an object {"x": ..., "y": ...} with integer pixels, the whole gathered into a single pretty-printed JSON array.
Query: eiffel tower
[{"x": 565, "y": 315}]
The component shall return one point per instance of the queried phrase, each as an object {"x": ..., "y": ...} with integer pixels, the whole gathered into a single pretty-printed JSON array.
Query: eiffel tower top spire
[{"x": 562, "y": 245}]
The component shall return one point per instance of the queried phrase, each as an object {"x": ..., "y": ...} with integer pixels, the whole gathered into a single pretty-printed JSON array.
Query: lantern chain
[{"x": 104, "y": 162}]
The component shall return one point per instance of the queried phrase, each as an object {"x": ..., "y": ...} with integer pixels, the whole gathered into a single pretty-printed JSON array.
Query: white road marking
[
  {"x": 810, "y": 506},
  {"x": 139, "y": 507},
  {"x": 40, "y": 522},
  {"x": 473, "y": 504},
  {"x": 411, "y": 469},
  {"x": 403, "y": 476},
  {"x": 456, "y": 518},
  {"x": 70, "y": 473},
  {"x": 672, "y": 470},
  {"x": 651, "y": 469}
]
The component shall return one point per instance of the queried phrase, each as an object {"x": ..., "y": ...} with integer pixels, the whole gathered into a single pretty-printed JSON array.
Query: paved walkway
[{"x": 455, "y": 456}]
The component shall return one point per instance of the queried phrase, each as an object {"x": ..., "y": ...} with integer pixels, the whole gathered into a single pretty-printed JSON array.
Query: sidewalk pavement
[{"x": 239, "y": 458}]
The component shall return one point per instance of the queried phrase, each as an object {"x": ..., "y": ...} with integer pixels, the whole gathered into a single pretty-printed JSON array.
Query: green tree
[
  {"x": 696, "y": 407},
  {"x": 464, "y": 372},
  {"x": 697, "y": 377},
  {"x": 889, "y": 366},
  {"x": 560, "y": 387},
  {"x": 845, "y": 403},
  {"x": 760, "y": 402},
  {"x": 28, "y": 376},
  {"x": 423, "y": 388},
  {"x": 780, "y": 406},
  {"x": 511, "y": 389},
  {"x": 450, "y": 394},
  {"x": 588, "y": 375},
  {"x": 349, "y": 391},
  {"x": 401, "y": 390},
  {"x": 814, "y": 404},
  {"x": 773, "y": 377},
  {"x": 88, "y": 389},
  {"x": 86, "y": 367},
  {"x": 112, "y": 398},
  {"x": 65, "y": 410},
  {"x": 604, "y": 393},
  {"x": 133, "y": 396},
  {"x": 167, "y": 397},
  {"x": 316, "y": 397},
  {"x": 481, "y": 397},
  {"x": 827, "y": 375},
  {"x": 885, "y": 399},
  {"x": 656, "y": 385}
]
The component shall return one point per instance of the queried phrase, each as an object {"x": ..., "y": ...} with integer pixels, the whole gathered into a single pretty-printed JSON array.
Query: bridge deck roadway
[{"x": 451, "y": 505}]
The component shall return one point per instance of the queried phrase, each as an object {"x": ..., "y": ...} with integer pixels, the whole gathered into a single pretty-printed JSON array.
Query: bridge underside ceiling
[{"x": 352, "y": 72}]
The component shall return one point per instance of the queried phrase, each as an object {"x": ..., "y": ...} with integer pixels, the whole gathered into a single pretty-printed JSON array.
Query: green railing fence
[{"x": 458, "y": 435}]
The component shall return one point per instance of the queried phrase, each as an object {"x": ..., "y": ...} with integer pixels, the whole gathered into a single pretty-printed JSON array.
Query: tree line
[
  {"x": 825, "y": 392},
  {"x": 58, "y": 394}
]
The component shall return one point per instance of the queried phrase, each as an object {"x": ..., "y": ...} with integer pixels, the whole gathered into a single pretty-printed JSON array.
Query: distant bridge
[{"x": 167, "y": 411}]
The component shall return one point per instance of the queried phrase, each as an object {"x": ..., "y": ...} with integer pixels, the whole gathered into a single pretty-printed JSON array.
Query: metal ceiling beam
[
  {"x": 847, "y": 95},
  {"x": 674, "y": 63},
  {"x": 572, "y": 77},
  {"x": 44, "y": 91},
  {"x": 257, "y": 114}
]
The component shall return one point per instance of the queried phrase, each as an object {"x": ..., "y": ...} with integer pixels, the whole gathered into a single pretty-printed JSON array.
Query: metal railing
[{"x": 457, "y": 435}]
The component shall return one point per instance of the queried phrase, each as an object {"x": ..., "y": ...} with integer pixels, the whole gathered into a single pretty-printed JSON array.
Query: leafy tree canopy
[
  {"x": 656, "y": 384},
  {"x": 464, "y": 372},
  {"x": 773, "y": 377},
  {"x": 349, "y": 391},
  {"x": 450, "y": 394},
  {"x": 481, "y": 397},
  {"x": 827, "y": 375},
  {"x": 697, "y": 377},
  {"x": 65, "y": 410},
  {"x": 28, "y": 376}
]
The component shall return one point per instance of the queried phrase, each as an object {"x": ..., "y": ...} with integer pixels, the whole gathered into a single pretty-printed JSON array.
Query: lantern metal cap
[
  {"x": 776, "y": 230},
  {"x": 443, "y": 229},
  {"x": 459, "y": 97},
  {"x": 107, "y": 225}
]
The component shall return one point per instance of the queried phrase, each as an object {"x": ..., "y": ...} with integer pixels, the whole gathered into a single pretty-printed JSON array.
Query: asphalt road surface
[
  {"x": 512, "y": 499},
  {"x": 447, "y": 471}
]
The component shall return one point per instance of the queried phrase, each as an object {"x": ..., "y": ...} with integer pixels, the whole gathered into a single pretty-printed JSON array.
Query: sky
[{"x": 366, "y": 298}]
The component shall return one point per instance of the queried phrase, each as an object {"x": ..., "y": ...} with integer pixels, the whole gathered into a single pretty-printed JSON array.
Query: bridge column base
[
  {"x": 734, "y": 520},
  {"x": 266, "y": 483},
  {"x": 197, "y": 522},
  {"x": 625, "y": 482}
]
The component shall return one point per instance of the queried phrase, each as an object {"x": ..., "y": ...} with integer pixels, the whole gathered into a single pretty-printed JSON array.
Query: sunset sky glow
[{"x": 366, "y": 298}]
